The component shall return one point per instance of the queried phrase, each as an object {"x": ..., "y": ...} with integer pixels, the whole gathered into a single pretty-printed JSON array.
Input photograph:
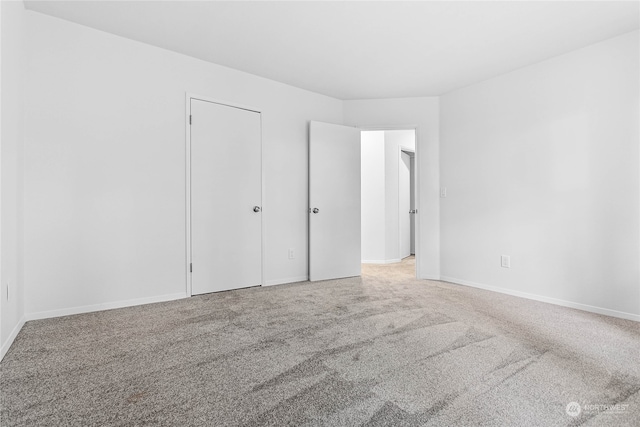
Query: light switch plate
[{"x": 505, "y": 261}]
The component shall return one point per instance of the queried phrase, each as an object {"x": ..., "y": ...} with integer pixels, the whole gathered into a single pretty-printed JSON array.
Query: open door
[
  {"x": 334, "y": 201},
  {"x": 404, "y": 207}
]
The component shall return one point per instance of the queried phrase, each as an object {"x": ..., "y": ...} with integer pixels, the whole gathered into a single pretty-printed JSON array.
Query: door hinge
[
  {"x": 191, "y": 268},
  {"x": 189, "y": 118}
]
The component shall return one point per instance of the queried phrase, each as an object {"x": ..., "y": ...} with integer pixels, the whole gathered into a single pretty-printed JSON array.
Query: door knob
[
  {"x": 256, "y": 209},
  {"x": 316, "y": 210}
]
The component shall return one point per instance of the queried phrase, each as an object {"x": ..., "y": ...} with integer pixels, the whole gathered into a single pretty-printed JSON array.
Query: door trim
[
  {"x": 188, "y": 98},
  {"x": 417, "y": 179}
]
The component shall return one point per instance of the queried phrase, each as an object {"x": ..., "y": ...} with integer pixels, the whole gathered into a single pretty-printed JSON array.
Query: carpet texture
[{"x": 380, "y": 350}]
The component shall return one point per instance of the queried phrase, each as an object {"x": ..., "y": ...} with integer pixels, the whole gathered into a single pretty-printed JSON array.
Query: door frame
[
  {"x": 417, "y": 180},
  {"x": 188, "y": 98},
  {"x": 402, "y": 148}
]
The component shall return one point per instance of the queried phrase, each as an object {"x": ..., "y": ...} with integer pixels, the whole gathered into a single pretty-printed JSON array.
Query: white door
[
  {"x": 334, "y": 201},
  {"x": 404, "y": 193},
  {"x": 226, "y": 197}
]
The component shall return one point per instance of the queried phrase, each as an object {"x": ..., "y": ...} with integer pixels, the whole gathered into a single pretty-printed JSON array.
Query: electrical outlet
[
  {"x": 443, "y": 192},
  {"x": 505, "y": 261},
  {"x": 291, "y": 253}
]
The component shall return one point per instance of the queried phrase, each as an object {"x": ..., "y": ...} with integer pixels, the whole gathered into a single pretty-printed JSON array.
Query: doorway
[{"x": 389, "y": 195}]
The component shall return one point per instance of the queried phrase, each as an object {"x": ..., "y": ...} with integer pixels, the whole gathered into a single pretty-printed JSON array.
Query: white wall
[
  {"x": 105, "y": 167},
  {"x": 373, "y": 197},
  {"x": 542, "y": 164},
  {"x": 423, "y": 114},
  {"x": 12, "y": 27}
]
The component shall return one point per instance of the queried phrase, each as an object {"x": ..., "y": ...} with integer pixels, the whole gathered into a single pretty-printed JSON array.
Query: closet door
[{"x": 226, "y": 197}]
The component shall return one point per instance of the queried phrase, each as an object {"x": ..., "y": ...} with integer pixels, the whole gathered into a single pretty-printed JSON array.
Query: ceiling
[{"x": 360, "y": 49}]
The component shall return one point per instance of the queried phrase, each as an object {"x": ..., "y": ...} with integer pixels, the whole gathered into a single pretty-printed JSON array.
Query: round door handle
[
  {"x": 256, "y": 209},
  {"x": 316, "y": 210}
]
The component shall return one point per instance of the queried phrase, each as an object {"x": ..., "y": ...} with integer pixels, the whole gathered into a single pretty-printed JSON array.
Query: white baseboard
[
  {"x": 383, "y": 261},
  {"x": 287, "y": 280},
  {"x": 550, "y": 300},
  {"x": 104, "y": 306},
  {"x": 12, "y": 336}
]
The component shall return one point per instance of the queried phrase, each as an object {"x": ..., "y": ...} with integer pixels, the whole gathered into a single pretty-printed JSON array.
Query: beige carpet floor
[{"x": 383, "y": 349}]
